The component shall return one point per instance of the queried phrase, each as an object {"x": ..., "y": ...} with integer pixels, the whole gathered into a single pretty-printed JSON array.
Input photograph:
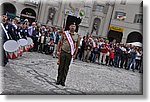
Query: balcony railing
[{"x": 33, "y": 3}]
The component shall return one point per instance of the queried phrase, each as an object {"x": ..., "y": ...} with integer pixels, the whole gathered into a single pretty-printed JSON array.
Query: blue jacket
[{"x": 52, "y": 37}]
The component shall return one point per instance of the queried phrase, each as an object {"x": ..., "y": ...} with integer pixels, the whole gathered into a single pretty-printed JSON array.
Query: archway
[
  {"x": 29, "y": 14},
  {"x": 96, "y": 25},
  {"x": 9, "y": 9},
  {"x": 134, "y": 37},
  {"x": 115, "y": 35}
]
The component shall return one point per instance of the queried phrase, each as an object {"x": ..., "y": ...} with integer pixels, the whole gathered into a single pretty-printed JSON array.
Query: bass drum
[
  {"x": 23, "y": 45},
  {"x": 11, "y": 49},
  {"x": 30, "y": 43}
]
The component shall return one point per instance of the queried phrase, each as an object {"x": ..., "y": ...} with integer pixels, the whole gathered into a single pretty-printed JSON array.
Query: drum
[
  {"x": 23, "y": 44},
  {"x": 11, "y": 48},
  {"x": 20, "y": 51},
  {"x": 30, "y": 43}
]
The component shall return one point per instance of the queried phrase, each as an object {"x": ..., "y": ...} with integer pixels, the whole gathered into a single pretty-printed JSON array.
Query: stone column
[
  {"x": 42, "y": 12},
  {"x": 85, "y": 23},
  {"x": 61, "y": 14},
  {"x": 101, "y": 26},
  {"x": 56, "y": 16},
  {"x": 107, "y": 20}
]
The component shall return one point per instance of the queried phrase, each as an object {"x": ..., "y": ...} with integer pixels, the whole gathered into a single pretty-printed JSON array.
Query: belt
[{"x": 65, "y": 51}]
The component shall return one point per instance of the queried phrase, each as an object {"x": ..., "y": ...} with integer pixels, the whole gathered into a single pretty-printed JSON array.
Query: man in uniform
[
  {"x": 11, "y": 33},
  {"x": 66, "y": 53}
]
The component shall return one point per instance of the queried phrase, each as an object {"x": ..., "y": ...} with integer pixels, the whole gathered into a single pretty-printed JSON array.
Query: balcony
[{"x": 33, "y": 3}]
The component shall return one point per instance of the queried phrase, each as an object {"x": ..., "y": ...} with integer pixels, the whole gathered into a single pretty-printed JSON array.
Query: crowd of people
[
  {"x": 91, "y": 50},
  {"x": 119, "y": 55}
]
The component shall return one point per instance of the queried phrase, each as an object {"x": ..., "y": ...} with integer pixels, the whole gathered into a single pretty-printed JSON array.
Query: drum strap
[{"x": 5, "y": 30}]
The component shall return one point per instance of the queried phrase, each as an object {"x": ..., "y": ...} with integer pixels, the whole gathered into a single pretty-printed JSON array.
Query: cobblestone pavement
[{"x": 35, "y": 73}]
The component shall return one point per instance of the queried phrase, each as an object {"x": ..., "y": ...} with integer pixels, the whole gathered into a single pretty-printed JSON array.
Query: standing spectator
[
  {"x": 33, "y": 33},
  {"x": 107, "y": 54},
  {"x": 104, "y": 50},
  {"x": 31, "y": 29},
  {"x": 55, "y": 37},
  {"x": 47, "y": 43},
  {"x": 82, "y": 48},
  {"x": 100, "y": 42},
  {"x": 138, "y": 59},
  {"x": 87, "y": 50},
  {"x": 95, "y": 53},
  {"x": 111, "y": 57},
  {"x": 141, "y": 67},
  {"x": 126, "y": 57},
  {"x": 132, "y": 59},
  {"x": 122, "y": 55},
  {"x": 118, "y": 53},
  {"x": 42, "y": 42}
]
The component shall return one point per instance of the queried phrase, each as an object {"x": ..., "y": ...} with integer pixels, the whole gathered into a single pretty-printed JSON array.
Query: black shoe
[
  {"x": 57, "y": 83},
  {"x": 62, "y": 83}
]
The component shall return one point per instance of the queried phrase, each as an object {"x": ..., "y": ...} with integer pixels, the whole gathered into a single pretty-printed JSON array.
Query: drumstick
[
  {"x": 5, "y": 30},
  {"x": 19, "y": 35}
]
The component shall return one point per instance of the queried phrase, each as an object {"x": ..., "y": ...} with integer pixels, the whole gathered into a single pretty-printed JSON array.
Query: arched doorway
[
  {"x": 115, "y": 35},
  {"x": 134, "y": 37},
  {"x": 9, "y": 9},
  {"x": 96, "y": 25},
  {"x": 29, "y": 14}
]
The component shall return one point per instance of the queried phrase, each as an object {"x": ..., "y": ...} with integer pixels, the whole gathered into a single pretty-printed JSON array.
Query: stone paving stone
[{"x": 36, "y": 74}]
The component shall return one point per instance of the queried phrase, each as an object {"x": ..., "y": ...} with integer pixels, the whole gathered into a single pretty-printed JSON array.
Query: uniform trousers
[{"x": 65, "y": 59}]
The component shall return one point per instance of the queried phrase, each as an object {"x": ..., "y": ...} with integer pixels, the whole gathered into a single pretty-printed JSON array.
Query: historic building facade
[
  {"x": 21, "y": 8},
  {"x": 126, "y": 22},
  {"x": 91, "y": 16},
  {"x": 113, "y": 19}
]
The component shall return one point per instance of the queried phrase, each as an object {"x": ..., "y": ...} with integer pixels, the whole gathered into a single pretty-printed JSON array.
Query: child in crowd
[{"x": 42, "y": 42}]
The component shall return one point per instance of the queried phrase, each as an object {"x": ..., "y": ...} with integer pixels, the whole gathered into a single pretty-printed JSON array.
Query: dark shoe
[
  {"x": 62, "y": 83},
  {"x": 57, "y": 83}
]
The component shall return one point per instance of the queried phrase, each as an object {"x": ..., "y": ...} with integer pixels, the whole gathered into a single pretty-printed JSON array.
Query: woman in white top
[{"x": 138, "y": 59}]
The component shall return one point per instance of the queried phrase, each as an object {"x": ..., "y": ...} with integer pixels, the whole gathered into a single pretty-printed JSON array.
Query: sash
[
  {"x": 54, "y": 35},
  {"x": 94, "y": 44},
  {"x": 71, "y": 43},
  {"x": 5, "y": 31}
]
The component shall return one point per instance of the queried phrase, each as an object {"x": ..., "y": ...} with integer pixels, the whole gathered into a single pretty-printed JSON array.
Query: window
[
  {"x": 120, "y": 16},
  {"x": 98, "y": 8},
  {"x": 138, "y": 18},
  {"x": 123, "y": 2}
]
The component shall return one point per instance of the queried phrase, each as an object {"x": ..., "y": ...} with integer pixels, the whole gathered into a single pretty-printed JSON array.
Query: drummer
[
  {"x": 11, "y": 33},
  {"x": 23, "y": 31},
  {"x": 9, "y": 27}
]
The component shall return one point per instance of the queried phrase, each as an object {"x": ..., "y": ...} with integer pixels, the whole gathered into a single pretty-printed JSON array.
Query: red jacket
[
  {"x": 104, "y": 48},
  {"x": 111, "y": 55}
]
